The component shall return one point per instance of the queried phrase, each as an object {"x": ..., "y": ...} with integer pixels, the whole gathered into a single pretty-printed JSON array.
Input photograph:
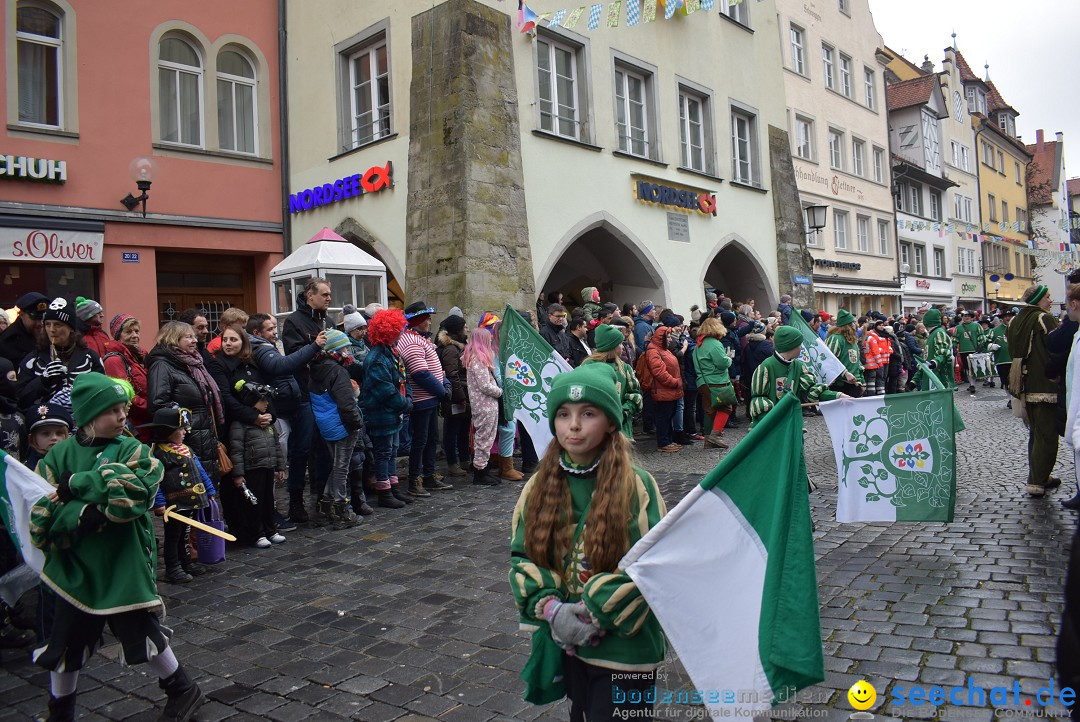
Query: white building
[
  {"x": 624, "y": 161},
  {"x": 1048, "y": 196},
  {"x": 834, "y": 66}
]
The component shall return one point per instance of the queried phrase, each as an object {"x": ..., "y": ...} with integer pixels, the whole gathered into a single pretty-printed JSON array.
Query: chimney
[
  {"x": 927, "y": 66},
  {"x": 1060, "y": 137},
  {"x": 1039, "y": 140}
]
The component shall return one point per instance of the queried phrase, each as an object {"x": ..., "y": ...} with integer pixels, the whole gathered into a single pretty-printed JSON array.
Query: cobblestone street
[{"x": 409, "y": 615}]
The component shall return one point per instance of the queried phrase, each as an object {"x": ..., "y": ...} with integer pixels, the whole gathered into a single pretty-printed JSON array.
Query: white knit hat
[{"x": 351, "y": 318}]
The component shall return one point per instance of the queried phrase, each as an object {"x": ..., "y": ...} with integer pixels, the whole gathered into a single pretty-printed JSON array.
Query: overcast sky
[{"x": 1033, "y": 60}]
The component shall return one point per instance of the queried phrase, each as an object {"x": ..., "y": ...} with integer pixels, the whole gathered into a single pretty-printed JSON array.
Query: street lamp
[
  {"x": 142, "y": 171},
  {"x": 815, "y": 217},
  {"x": 904, "y": 270}
]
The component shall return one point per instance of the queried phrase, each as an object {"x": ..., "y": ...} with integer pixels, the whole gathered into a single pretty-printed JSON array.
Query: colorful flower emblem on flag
[{"x": 519, "y": 371}]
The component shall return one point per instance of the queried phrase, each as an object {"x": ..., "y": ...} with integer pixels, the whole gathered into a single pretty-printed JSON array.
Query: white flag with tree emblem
[
  {"x": 529, "y": 363},
  {"x": 815, "y": 354},
  {"x": 895, "y": 456}
]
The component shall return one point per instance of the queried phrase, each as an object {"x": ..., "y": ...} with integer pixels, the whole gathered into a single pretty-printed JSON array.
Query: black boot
[
  {"x": 485, "y": 477},
  {"x": 387, "y": 500},
  {"x": 360, "y": 505},
  {"x": 184, "y": 697},
  {"x": 1074, "y": 503},
  {"x": 62, "y": 709},
  {"x": 297, "y": 513},
  {"x": 437, "y": 484},
  {"x": 401, "y": 495},
  {"x": 527, "y": 470}
]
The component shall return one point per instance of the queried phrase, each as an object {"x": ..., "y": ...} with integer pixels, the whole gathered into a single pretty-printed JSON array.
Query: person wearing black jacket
[
  {"x": 579, "y": 349},
  {"x": 300, "y": 329},
  {"x": 554, "y": 330},
  {"x": 21, "y": 337},
  {"x": 759, "y": 346},
  {"x": 48, "y": 373},
  {"x": 177, "y": 375},
  {"x": 449, "y": 345}
]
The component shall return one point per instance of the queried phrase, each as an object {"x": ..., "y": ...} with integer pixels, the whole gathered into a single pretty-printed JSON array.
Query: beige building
[
  {"x": 565, "y": 158},
  {"x": 834, "y": 67}
]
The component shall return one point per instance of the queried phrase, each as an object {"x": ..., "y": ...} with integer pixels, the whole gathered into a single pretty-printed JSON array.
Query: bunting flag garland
[
  {"x": 650, "y": 11},
  {"x": 557, "y": 18},
  {"x": 527, "y": 19},
  {"x": 692, "y": 6},
  {"x": 670, "y": 6},
  {"x": 613, "y": 13},
  {"x": 707, "y": 4},
  {"x": 572, "y": 20},
  {"x": 594, "y": 16},
  {"x": 633, "y": 12}
]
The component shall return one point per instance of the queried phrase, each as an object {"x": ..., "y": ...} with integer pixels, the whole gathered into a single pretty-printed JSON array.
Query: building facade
[
  {"x": 518, "y": 163},
  {"x": 916, "y": 110},
  {"x": 834, "y": 66},
  {"x": 94, "y": 106},
  {"x": 1002, "y": 162},
  {"x": 1048, "y": 196}
]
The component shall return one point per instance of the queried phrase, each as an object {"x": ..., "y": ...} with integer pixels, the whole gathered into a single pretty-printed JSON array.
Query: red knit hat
[{"x": 117, "y": 324}]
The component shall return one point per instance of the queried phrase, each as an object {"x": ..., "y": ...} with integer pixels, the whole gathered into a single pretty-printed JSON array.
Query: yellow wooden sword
[{"x": 197, "y": 524}]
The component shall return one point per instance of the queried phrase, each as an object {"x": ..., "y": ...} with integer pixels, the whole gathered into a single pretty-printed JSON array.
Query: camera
[
  {"x": 251, "y": 393},
  {"x": 254, "y": 500}
]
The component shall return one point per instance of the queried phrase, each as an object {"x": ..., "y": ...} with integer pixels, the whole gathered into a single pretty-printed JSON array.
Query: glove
[
  {"x": 448, "y": 386},
  {"x": 90, "y": 521},
  {"x": 993, "y": 347},
  {"x": 731, "y": 353},
  {"x": 54, "y": 374},
  {"x": 63, "y": 487},
  {"x": 566, "y": 627}
]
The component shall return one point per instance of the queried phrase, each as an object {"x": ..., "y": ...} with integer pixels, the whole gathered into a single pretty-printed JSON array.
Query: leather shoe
[
  {"x": 1053, "y": 483},
  {"x": 1073, "y": 503}
]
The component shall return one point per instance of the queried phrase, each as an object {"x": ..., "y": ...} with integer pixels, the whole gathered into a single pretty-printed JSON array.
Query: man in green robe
[
  {"x": 1028, "y": 384},
  {"x": 939, "y": 354},
  {"x": 783, "y": 373},
  {"x": 969, "y": 340},
  {"x": 998, "y": 346}
]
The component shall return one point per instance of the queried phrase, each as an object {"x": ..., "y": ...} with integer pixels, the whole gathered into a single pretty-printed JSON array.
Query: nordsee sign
[
  {"x": 375, "y": 179},
  {"x": 703, "y": 202}
]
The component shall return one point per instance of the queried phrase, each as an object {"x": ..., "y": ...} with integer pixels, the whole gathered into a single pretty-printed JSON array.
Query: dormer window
[
  {"x": 1007, "y": 124},
  {"x": 976, "y": 99}
]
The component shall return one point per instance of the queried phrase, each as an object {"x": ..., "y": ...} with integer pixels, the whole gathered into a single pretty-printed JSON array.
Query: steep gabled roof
[
  {"x": 1041, "y": 182},
  {"x": 994, "y": 101},
  {"x": 966, "y": 73},
  {"x": 1073, "y": 185},
  {"x": 907, "y": 93}
]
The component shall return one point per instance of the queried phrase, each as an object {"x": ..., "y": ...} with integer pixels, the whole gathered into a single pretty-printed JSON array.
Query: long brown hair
[
  {"x": 548, "y": 523},
  {"x": 847, "y": 331}
]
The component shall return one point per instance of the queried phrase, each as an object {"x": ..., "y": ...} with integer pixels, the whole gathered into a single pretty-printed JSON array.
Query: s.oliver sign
[{"x": 43, "y": 244}]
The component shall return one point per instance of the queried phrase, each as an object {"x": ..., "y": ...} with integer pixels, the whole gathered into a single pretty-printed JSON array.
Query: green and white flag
[
  {"x": 529, "y": 363},
  {"x": 729, "y": 573},
  {"x": 927, "y": 380},
  {"x": 815, "y": 354},
  {"x": 20, "y": 489},
  {"x": 895, "y": 456}
]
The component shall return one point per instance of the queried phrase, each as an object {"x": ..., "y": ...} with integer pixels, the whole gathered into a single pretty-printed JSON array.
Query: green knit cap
[
  {"x": 607, "y": 337},
  {"x": 787, "y": 338},
  {"x": 932, "y": 318},
  {"x": 93, "y": 393},
  {"x": 844, "y": 317},
  {"x": 589, "y": 384}
]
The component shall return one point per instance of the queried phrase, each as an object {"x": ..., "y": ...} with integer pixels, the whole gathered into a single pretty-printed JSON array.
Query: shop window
[
  {"x": 237, "y": 104},
  {"x": 180, "y": 92},
  {"x": 52, "y": 279}
]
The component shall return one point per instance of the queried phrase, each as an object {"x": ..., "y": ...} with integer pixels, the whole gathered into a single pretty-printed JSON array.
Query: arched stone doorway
[
  {"x": 600, "y": 252},
  {"x": 739, "y": 275},
  {"x": 359, "y": 235}
]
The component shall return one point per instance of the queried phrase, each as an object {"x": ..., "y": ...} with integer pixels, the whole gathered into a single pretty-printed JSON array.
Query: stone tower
[{"x": 467, "y": 237}]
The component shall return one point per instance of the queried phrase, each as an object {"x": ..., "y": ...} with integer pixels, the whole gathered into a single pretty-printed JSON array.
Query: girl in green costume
[
  {"x": 576, "y": 518},
  {"x": 100, "y": 550}
]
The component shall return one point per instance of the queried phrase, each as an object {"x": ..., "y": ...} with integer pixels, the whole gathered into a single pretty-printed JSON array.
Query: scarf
[
  {"x": 209, "y": 388},
  {"x": 180, "y": 449},
  {"x": 342, "y": 358}
]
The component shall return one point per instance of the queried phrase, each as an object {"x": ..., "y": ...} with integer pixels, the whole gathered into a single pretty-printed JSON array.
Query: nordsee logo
[{"x": 975, "y": 696}]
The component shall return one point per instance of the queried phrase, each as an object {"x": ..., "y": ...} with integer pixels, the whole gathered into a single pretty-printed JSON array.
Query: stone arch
[
  {"x": 738, "y": 271},
  {"x": 600, "y": 251},
  {"x": 395, "y": 274}
]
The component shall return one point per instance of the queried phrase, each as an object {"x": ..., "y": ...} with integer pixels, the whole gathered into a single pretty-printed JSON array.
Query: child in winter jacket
[{"x": 334, "y": 403}]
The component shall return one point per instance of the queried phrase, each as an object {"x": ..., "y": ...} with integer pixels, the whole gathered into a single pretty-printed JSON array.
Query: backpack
[
  {"x": 127, "y": 366},
  {"x": 643, "y": 373}
]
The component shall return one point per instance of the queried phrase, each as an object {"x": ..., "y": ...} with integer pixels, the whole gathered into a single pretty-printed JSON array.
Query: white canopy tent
[{"x": 356, "y": 277}]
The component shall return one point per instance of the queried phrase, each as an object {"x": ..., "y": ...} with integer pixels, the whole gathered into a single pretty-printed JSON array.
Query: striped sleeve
[
  {"x": 53, "y": 525},
  {"x": 835, "y": 343},
  {"x": 814, "y": 391},
  {"x": 613, "y": 599},
  {"x": 530, "y": 583},
  {"x": 760, "y": 402},
  {"x": 131, "y": 485}
]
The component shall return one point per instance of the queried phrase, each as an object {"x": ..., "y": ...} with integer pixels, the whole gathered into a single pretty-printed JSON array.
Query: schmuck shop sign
[{"x": 44, "y": 244}]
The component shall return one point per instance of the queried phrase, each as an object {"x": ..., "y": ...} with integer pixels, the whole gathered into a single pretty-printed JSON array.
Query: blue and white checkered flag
[
  {"x": 670, "y": 7},
  {"x": 557, "y": 19},
  {"x": 707, "y": 4},
  {"x": 594, "y": 16},
  {"x": 633, "y": 12}
]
